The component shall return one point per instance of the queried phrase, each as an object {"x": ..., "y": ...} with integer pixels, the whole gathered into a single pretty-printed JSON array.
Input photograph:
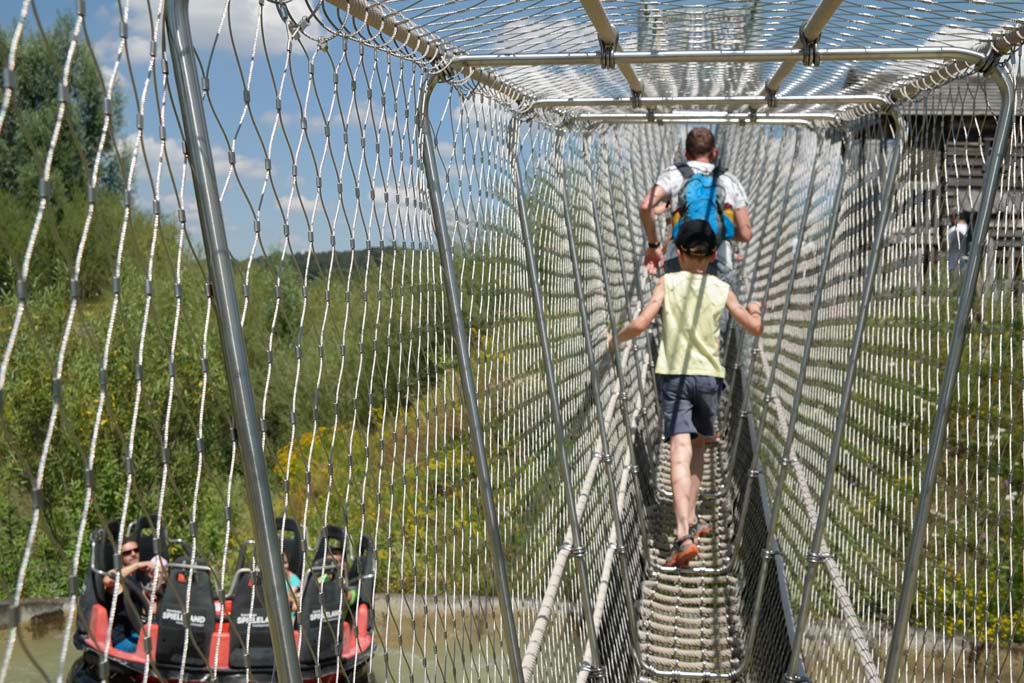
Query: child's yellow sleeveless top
[{"x": 690, "y": 316}]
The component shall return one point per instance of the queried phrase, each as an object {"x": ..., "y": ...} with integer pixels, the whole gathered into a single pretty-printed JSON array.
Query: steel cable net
[
  {"x": 567, "y": 26},
  {"x": 116, "y": 412},
  {"x": 966, "y": 619}
]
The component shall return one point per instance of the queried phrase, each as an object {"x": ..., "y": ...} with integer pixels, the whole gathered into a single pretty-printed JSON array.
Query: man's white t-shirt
[
  {"x": 957, "y": 234},
  {"x": 671, "y": 180}
]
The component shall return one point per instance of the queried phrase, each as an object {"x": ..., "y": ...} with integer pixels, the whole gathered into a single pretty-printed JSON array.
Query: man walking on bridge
[{"x": 727, "y": 202}]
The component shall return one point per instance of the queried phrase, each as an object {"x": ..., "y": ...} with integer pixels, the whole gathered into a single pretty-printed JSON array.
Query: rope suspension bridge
[{"x": 319, "y": 293}]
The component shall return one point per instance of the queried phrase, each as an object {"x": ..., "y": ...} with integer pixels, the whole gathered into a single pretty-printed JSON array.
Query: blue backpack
[{"x": 699, "y": 199}]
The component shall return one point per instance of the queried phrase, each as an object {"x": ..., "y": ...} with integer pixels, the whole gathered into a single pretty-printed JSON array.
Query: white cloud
[
  {"x": 247, "y": 168},
  {"x": 445, "y": 150},
  {"x": 240, "y": 21},
  {"x": 238, "y": 26}
]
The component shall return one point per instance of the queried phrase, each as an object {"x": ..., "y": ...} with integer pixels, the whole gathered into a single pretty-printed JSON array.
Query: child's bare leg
[
  {"x": 696, "y": 474},
  {"x": 681, "y": 454}
]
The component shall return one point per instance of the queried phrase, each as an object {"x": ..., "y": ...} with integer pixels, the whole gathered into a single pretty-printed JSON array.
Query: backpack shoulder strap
[
  {"x": 685, "y": 170},
  {"x": 719, "y": 190}
]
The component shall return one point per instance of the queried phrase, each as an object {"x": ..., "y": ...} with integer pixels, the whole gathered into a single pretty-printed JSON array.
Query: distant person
[
  {"x": 957, "y": 238},
  {"x": 689, "y": 370},
  {"x": 294, "y": 585},
  {"x": 336, "y": 569},
  {"x": 138, "y": 578},
  {"x": 702, "y": 191},
  {"x": 334, "y": 564}
]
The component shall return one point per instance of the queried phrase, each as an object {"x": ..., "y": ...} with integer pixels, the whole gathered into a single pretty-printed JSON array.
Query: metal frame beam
[
  {"x": 796, "y": 118},
  {"x": 595, "y": 385},
  {"x": 999, "y": 46},
  {"x": 229, "y": 323},
  {"x": 937, "y": 440},
  {"x": 431, "y": 48},
  {"x": 717, "y": 57},
  {"x": 733, "y": 100},
  {"x": 814, "y": 557},
  {"x": 468, "y": 383},
  {"x": 608, "y": 35},
  {"x": 810, "y": 33},
  {"x": 578, "y": 550}
]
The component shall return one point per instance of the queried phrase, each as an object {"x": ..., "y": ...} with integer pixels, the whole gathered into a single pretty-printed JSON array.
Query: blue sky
[{"x": 238, "y": 48}]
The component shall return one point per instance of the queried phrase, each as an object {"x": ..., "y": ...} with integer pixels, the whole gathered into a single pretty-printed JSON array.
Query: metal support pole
[
  {"x": 757, "y": 433},
  {"x": 229, "y": 325},
  {"x": 468, "y": 383},
  {"x": 786, "y": 460},
  {"x": 616, "y": 356},
  {"x": 937, "y": 439},
  {"x": 885, "y": 208},
  {"x": 637, "y": 286},
  {"x": 595, "y": 386},
  {"x": 752, "y": 480},
  {"x": 555, "y": 404},
  {"x": 770, "y": 385}
]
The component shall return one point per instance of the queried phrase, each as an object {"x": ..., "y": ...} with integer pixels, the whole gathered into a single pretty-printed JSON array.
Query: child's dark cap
[{"x": 696, "y": 237}]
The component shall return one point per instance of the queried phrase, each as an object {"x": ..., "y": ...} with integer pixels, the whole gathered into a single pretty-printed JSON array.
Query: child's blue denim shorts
[{"x": 689, "y": 403}]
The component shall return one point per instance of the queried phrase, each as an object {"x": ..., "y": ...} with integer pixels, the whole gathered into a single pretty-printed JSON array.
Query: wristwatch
[{"x": 653, "y": 245}]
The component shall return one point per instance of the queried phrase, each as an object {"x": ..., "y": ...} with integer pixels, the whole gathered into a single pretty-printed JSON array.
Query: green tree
[{"x": 25, "y": 142}]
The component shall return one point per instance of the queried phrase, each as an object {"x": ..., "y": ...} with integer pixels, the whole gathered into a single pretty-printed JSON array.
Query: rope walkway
[{"x": 692, "y": 621}]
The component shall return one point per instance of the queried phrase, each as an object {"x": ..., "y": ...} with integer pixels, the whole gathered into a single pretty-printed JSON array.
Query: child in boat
[{"x": 294, "y": 585}]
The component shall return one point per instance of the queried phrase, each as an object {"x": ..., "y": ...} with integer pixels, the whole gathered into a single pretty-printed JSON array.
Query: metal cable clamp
[
  {"x": 818, "y": 558},
  {"x": 989, "y": 62},
  {"x": 809, "y": 49},
  {"x": 607, "y": 52}
]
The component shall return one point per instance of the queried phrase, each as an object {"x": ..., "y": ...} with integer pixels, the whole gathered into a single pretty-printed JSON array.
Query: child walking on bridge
[{"x": 689, "y": 370}]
